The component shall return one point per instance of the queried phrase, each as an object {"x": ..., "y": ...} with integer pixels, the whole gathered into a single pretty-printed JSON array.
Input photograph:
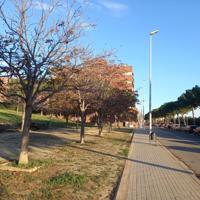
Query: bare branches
[{"x": 30, "y": 49}]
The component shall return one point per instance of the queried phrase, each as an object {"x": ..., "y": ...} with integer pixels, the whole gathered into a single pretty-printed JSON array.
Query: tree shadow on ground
[
  {"x": 10, "y": 143},
  {"x": 132, "y": 160},
  {"x": 105, "y": 137},
  {"x": 10, "y": 147},
  {"x": 124, "y": 130},
  {"x": 62, "y": 130}
]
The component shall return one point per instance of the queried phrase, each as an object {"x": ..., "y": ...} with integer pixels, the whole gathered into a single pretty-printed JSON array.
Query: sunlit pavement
[
  {"x": 151, "y": 172},
  {"x": 183, "y": 145}
]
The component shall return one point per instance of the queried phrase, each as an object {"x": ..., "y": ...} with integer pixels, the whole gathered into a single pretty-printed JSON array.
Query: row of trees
[
  {"x": 41, "y": 55},
  {"x": 187, "y": 102},
  {"x": 94, "y": 91}
]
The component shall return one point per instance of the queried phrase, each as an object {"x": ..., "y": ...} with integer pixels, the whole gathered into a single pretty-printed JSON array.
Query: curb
[{"x": 121, "y": 193}]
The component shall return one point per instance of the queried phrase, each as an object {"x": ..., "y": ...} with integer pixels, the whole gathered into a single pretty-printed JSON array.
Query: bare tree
[
  {"x": 38, "y": 53},
  {"x": 88, "y": 83},
  {"x": 85, "y": 87},
  {"x": 63, "y": 103}
]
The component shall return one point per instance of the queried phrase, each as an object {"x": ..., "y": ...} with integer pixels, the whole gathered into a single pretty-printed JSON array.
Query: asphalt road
[{"x": 183, "y": 145}]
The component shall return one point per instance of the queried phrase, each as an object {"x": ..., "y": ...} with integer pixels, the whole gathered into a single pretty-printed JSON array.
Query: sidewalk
[{"x": 152, "y": 173}]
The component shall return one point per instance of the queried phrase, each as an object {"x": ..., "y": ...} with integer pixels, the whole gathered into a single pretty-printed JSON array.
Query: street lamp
[{"x": 150, "y": 81}]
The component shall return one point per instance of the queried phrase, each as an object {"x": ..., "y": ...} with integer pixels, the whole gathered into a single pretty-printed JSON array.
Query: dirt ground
[{"x": 68, "y": 171}]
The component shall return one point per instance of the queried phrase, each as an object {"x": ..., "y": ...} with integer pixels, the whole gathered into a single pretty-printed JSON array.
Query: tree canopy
[{"x": 188, "y": 101}]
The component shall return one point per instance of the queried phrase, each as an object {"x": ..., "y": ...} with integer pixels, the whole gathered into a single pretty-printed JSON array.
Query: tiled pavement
[{"x": 152, "y": 173}]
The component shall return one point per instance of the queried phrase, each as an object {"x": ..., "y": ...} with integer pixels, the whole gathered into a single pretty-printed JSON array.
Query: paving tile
[{"x": 152, "y": 173}]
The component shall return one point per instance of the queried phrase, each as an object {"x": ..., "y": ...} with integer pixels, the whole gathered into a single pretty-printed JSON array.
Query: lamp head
[{"x": 154, "y": 32}]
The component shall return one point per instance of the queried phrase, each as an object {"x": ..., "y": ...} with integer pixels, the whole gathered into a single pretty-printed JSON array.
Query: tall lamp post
[{"x": 150, "y": 81}]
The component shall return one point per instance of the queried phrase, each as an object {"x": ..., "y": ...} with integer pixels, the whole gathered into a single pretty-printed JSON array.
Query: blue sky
[{"x": 125, "y": 26}]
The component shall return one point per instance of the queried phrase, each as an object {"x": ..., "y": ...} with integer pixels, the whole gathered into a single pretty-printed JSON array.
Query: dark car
[{"x": 192, "y": 128}]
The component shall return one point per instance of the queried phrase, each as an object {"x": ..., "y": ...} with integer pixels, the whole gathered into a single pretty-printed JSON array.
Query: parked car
[
  {"x": 169, "y": 126},
  {"x": 197, "y": 130},
  {"x": 192, "y": 128}
]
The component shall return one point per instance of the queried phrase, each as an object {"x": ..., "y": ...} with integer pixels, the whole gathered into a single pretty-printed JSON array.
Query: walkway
[{"x": 153, "y": 173}]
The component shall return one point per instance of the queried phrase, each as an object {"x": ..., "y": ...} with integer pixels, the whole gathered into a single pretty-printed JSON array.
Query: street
[{"x": 183, "y": 145}]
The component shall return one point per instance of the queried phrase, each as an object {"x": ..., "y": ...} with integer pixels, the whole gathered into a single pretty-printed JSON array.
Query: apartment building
[{"x": 123, "y": 78}]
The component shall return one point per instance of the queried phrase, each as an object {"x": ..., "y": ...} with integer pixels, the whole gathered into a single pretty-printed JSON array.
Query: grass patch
[
  {"x": 3, "y": 191},
  {"x": 32, "y": 196},
  {"x": 76, "y": 173},
  {"x": 100, "y": 177},
  {"x": 124, "y": 130},
  {"x": 5, "y": 174},
  {"x": 45, "y": 194},
  {"x": 124, "y": 152},
  {"x": 32, "y": 164},
  {"x": 68, "y": 178},
  {"x": 9, "y": 116}
]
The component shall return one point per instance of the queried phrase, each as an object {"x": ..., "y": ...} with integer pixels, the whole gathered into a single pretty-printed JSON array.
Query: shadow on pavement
[
  {"x": 132, "y": 160},
  {"x": 181, "y": 148},
  {"x": 185, "y": 142},
  {"x": 177, "y": 135}
]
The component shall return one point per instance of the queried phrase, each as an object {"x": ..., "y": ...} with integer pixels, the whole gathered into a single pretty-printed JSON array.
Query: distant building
[
  {"x": 121, "y": 75},
  {"x": 123, "y": 78}
]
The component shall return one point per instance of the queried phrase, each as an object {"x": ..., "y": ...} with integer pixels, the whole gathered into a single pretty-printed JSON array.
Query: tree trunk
[
  {"x": 23, "y": 158},
  {"x": 101, "y": 131},
  {"x": 17, "y": 108},
  {"x": 184, "y": 121},
  {"x": 76, "y": 121},
  {"x": 118, "y": 126},
  {"x": 174, "y": 119},
  {"x": 187, "y": 120},
  {"x": 100, "y": 125},
  {"x": 82, "y": 138},
  {"x": 41, "y": 112},
  {"x": 67, "y": 119},
  {"x": 110, "y": 127},
  {"x": 165, "y": 121},
  {"x": 193, "y": 115},
  {"x": 23, "y": 116},
  {"x": 179, "y": 121}
]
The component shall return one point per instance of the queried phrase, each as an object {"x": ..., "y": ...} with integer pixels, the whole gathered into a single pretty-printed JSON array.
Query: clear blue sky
[{"x": 125, "y": 26}]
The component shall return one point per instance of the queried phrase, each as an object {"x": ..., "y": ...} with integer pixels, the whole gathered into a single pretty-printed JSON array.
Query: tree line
[
  {"x": 176, "y": 110},
  {"x": 41, "y": 56}
]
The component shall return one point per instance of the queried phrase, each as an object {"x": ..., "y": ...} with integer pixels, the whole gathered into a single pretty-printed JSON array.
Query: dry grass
[{"x": 69, "y": 171}]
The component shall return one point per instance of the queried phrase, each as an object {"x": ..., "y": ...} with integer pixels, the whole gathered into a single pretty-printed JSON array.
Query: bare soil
[{"x": 69, "y": 170}]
